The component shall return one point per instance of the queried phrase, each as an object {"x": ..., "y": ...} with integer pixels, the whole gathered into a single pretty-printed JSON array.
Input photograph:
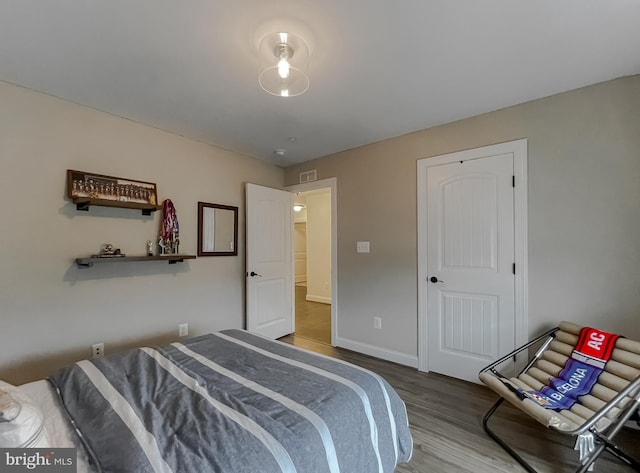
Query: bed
[{"x": 230, "y": 402}]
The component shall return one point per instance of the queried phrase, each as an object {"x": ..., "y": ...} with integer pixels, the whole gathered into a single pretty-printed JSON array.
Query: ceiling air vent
[{"x": 309, "y": 176}]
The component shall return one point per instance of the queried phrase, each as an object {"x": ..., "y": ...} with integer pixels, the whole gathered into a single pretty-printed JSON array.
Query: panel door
[
  {"x": 269, "y": 268},
  {"x": 470, "y": 256}
]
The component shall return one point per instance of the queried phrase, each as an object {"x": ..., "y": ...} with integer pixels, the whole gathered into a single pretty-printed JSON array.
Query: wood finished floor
[
  {"x": 313, "y": 319},
  {"x": 445, "y": 416}
]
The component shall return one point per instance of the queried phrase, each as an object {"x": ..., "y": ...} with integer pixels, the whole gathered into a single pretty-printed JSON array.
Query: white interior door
[
  {"x": 470, "y": 281},
  {"x": 269, "y": 289}
]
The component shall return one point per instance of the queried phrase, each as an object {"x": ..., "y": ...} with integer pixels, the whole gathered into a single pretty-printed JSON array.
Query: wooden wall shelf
[
  {"x": 83, "y": 203},
  {"x": 171, "y": 259}
]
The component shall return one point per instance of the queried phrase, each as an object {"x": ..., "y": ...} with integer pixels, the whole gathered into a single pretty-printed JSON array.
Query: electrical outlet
[
  {"x": 183, "y": 330},
  {"x": 377, "y": 323},
  {"x": 362, "y": 247},
  {"x": 97, "y": 350}
]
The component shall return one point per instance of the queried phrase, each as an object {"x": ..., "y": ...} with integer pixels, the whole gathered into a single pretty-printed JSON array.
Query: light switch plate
[{"x": 362, "y": 247}]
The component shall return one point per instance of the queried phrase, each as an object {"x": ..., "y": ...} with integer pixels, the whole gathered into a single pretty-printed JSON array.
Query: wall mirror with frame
[{"x": 217, "y": 230}]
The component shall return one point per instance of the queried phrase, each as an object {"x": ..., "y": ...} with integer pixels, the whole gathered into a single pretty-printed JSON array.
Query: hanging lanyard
[{"x": 169, "y": 230}]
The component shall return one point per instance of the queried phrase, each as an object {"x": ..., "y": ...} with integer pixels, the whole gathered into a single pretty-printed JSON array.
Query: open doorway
[
  {"x": 314, "y": 238},
  {"x": 312, "y": 250}
]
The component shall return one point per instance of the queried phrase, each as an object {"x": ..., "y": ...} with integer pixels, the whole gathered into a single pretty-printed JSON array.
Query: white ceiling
[{"x": 379, "y": 68}]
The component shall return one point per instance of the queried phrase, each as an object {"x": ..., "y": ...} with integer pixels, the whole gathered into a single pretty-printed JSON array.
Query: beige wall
[
  {"x": 584, "y": 214},
  {"x": 51, "y": 312}
]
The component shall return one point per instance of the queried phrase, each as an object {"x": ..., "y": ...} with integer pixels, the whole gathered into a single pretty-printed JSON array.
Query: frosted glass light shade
[{"x": 275, "y": 51}]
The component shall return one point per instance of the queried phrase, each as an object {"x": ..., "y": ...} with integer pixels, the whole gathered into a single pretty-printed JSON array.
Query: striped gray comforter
[{"x": 233, "y": 402}]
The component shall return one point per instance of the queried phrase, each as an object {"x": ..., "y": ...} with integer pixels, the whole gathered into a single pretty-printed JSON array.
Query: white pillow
[{"x": 21, "y": 424}]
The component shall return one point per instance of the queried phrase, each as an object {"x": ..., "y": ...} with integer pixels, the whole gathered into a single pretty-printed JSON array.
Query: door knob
[
  {"x": 253, "y": 274},
  {"x": 435, "y": 279}
]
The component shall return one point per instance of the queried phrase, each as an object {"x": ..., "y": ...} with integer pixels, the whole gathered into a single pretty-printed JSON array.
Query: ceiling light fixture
[
  {"x": 298, "y": 207},
  {"x": 284, "y": 64}
]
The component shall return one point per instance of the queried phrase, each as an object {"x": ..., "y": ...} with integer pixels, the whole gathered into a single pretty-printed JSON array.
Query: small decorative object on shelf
[
  {"x": 108, "y": 251},
  {"x": 169, "y": 241},
  {"x": 149, "y": 248},
  {"x": 87, "y": 189}
]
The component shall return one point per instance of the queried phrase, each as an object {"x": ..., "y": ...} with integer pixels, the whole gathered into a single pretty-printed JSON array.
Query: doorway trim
[
  {"x": 519, "y": 150},
  {"x": 331, "y": 183}
]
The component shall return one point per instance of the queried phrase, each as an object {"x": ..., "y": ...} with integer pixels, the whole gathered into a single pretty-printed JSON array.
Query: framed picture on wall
[{"x": 117, "y": 189}]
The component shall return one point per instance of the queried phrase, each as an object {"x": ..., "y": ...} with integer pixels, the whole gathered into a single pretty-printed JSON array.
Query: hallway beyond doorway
[{"x": 313, "y": 319}]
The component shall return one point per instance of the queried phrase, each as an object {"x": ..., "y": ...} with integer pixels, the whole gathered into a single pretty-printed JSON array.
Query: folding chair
[{"x": 596, "y": 418}]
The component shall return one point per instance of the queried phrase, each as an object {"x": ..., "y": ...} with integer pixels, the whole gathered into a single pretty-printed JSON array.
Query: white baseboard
[
  {"x": 321, "y": 299},
  {"x": 382, "y": 353}
]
